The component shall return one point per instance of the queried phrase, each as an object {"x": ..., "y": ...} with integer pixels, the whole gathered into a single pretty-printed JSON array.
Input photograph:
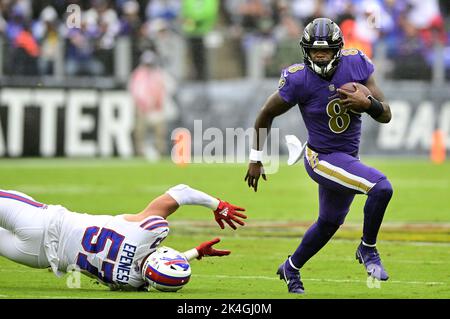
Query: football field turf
[{"x": 414, "y": 240}]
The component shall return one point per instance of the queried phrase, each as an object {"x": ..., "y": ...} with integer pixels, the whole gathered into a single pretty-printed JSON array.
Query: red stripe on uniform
[{"x": 21, "y": 199}]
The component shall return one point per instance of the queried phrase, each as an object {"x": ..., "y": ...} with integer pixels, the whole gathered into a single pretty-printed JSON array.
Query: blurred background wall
[{"x": 83, "y": 78}]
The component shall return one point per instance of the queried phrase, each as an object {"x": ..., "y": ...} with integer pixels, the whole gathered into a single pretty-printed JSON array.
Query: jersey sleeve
[
  {"x": 288, "y": 86},
  {"x": 156, "y": 227},
  {"x": 362, "y": 67}
]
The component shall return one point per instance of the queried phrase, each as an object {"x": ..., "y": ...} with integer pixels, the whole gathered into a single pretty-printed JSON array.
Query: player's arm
[
  {"x": 373, "y": 105},
  {"x": 181, "y": 195},
  {"x": 273, "y": 107},
  {"x": 385, "y": 115},
  {"x": 206, "y": 249}
]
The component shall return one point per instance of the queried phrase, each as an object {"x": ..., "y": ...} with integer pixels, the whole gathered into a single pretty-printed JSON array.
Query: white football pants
[{"x": 22, "y": 226}]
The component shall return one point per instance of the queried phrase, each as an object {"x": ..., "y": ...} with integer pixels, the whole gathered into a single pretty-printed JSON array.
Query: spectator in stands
[
  {"x": 341, "y": 9},
  {"x": 25, "y": 53},
  {"x": 169, "y": 46},
  {"x": 287, "y": 27},
  {"x": 285, "y": 36},
  {"x": 352, "y": 40},
  {"x": 80, "y": 58},
  {"x": 151, "y": 89},
  {"x": 23, "y": 49},
  {"x": 198, "y": 18},
  {"x": 408, "y": 28},
  {"x": 130, "y": 21},
  {"x": 2, "y": 21},
  {"x": 426, "y": 17},
  {"x": 408, "y": 57},
  {"x": 45, "y": 31},
  {"x": 168, "y": 10},
  {"x": 131, "y": 26},
  {"x": 105, "y": 20}
]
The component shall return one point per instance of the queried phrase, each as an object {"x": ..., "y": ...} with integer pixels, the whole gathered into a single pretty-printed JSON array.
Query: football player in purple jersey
[{"x": 333, "y": 121}]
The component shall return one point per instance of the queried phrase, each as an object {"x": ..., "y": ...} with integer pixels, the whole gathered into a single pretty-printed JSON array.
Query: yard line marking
[{"x": 325, "y": 280}]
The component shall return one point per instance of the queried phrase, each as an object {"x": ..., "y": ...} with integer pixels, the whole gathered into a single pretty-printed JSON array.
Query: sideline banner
[{"x": 91, "y": 122}]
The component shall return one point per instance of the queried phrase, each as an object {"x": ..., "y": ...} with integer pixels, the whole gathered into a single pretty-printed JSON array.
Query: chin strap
[{"x": 323, "y": 71}]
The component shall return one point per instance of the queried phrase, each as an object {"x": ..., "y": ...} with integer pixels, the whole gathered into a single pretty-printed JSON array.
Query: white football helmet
[{"x": 166, "y": 269}]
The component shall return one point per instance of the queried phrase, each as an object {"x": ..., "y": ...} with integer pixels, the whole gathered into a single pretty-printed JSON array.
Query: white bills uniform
[{"x": 108, "y": 248}]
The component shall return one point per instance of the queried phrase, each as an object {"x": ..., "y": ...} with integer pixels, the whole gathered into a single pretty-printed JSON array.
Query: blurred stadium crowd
[{"x": 210, "y": 39}]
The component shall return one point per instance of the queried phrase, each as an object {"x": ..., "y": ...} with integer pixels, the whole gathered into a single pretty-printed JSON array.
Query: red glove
[
  {"x": 228, "y": 213},
  {"x": 206, "y": 249}
]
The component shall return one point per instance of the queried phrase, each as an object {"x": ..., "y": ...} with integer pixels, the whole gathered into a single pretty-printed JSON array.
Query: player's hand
[
  {"x": 206, "y": 249},
  {"x": 255, "y": 170},
  {"x": 356, "y": 101},
  {"x": 229, "y": 213}
]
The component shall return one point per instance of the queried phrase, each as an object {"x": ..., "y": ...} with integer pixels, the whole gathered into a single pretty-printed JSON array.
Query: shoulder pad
[
  {"x": 296, "y": 67},
  {"x": 347, "y": 52}
]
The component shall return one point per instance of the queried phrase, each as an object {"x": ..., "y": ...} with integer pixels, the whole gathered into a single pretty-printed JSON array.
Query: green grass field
[{"x": 414, "y": 241}]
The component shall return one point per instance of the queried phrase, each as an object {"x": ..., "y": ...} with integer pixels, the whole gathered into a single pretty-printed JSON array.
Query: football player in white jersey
[{"x": 111, "y": 249}]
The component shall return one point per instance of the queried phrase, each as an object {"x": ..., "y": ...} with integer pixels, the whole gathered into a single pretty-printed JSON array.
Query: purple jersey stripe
[{"x": 20, "y": 199}]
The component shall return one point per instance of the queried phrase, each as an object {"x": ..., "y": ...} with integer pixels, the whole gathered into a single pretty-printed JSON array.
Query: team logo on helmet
[{"x": 166, "y": 269}]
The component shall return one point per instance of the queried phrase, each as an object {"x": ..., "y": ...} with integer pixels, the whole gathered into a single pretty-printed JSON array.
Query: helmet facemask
[
  {"x": 322, "y": 68},
  {"x": 322, "y": 33}
]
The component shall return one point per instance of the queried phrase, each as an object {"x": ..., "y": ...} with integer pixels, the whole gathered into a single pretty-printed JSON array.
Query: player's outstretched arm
[
  {"x": 180, "y": 195},
  {"x": 206, "y": 249},
  {"x": 273, "y": 107}
]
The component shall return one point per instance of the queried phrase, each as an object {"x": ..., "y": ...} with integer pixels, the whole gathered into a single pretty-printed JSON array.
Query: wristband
[
  {"x": 191, "y": 254},
  {"x": 376, "y": 108},
  {"x": 256, "y": 155}
]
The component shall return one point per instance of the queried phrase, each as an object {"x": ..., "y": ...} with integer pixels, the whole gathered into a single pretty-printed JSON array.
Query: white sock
[
  {"x": 367, "y": 245},
  {"x": 185, "y": 195},
  {"x": 292, "y": 264}
]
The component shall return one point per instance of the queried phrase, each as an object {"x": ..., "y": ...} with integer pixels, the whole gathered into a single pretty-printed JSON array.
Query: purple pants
[{"x": 340, "y": 176}]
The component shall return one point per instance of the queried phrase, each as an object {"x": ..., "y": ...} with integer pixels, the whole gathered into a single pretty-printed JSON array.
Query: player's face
[{"x": 320, "y": 56}]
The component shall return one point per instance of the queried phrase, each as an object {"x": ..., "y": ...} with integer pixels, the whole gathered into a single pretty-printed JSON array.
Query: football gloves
[
  {"x": 229, "y": 213},
  {"x": 206, "y": 249}
]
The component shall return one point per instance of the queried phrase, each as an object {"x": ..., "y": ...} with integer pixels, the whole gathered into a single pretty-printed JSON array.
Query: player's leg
[
  {"x": 24, "y": 247},
  {"x": 22, "y": 229},
  {"x": 333, "y": 208},
  {"x": 345, "y": 173},
  {"x": 377, "y": 201}
]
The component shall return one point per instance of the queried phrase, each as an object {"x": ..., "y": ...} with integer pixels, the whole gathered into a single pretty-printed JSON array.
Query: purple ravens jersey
[{"x": 330, "y": 127}]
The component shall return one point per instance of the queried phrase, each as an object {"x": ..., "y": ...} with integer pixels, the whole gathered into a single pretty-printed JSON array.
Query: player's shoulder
[
  {"x": 153, "y": 226},
  {"x": 355, "y": 55},
  {"x": 292, "y": 74},
  {"x": 295, "y": 68},
  {"x": 294, "y": 71},
  {"x": 137, "y": 230}
]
